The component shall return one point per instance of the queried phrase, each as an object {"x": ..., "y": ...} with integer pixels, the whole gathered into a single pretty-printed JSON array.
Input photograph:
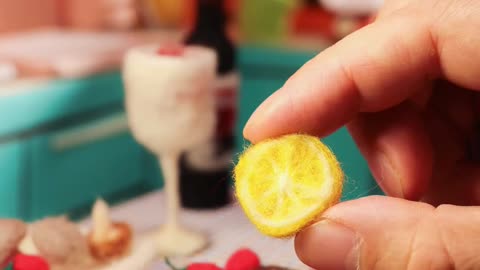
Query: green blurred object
[
  {"x": 263, "y": 72},
  {"x": 265, "y": 21}
]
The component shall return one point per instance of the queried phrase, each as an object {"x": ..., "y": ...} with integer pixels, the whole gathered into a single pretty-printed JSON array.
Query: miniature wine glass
[{"x": 170, "y": 109}]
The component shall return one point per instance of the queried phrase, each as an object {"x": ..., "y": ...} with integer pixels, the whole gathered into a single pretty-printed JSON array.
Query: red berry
[
  {"x": 171, "y": 50},
  {"x": 27, "y": 262},
  {"x": 203, "y": 266},
  {"x": 243, "y": 259}
]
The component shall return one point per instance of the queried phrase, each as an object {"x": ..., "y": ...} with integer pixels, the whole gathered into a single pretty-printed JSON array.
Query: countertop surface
[{"x": 227, "y": 228}]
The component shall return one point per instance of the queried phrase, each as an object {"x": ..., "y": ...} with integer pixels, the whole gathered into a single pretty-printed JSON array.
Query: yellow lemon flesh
[{"x": 284, "y": 184}]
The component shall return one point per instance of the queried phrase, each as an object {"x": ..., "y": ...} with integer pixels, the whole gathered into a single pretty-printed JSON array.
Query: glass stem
[{"x": 170, "y": 168}]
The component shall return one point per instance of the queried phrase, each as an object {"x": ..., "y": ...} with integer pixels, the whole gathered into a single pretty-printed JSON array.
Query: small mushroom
[
  {"x": 108, "y": 240},
  {"x": 12, "y": 233}
]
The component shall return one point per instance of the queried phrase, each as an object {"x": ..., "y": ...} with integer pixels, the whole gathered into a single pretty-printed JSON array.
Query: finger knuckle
[
  {"x": 459, "y": 235},
  {"x": 424, "y": 241}
]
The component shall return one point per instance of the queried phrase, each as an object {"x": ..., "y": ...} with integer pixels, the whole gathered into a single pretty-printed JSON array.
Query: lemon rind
[{"x": 331, "y": 192}]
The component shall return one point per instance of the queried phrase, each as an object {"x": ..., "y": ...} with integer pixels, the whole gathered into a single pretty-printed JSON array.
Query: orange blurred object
[
  {"x": 23, "y": 15},
  {"x": 314, "y": 21},
  {"x": 115, "y": 245},
  {"x": 164, "y": 12},
  {"x": 100, "y": 14},
  {"x": 318, "y": 21},
  {"x": 82, "y": 13}
]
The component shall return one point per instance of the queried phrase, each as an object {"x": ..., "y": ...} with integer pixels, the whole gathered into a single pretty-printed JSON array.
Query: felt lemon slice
[{"x": 284, "y": 184}]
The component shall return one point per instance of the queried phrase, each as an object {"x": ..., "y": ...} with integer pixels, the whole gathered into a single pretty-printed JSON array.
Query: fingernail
[
  {"x": 328, "y": 245},
  {"x": 250, "y": 125},
  {"x": 388, "y": 176},
  {"x": 260, "y": 115}
]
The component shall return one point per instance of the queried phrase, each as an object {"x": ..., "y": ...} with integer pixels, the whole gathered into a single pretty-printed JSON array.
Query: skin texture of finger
[
  {"x": 341, "y": 255},
  {"x": 397, "y": 148},
  {"x": 396, "y": 234},
  {"x": 349, "y": 77},
  {"x": 454, "y": 31}
]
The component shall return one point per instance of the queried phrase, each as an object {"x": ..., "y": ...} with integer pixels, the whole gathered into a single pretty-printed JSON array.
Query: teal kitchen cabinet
[
  {"x": 263, "y": 72},
  {"x": 65, "y": 143},
  {"x": 27, "y": 110},
  {"x": 73, "y": 166},
  {"x": 13, "y": 162}
]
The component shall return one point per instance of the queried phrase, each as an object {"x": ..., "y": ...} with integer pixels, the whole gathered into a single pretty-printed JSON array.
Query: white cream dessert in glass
[{"x": 170, "y": 109}]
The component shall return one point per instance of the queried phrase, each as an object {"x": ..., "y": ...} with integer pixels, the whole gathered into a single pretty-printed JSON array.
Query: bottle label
[
  {"x": 226, "y": 91},
  {"x": 218, "y": 153}
]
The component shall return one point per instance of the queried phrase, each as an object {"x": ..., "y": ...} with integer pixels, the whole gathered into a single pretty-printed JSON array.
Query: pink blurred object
[
  {"x": 20, "y": 15},
  {"x": 25, "y": 15},
  {"x": 101, "y": 14},
  {"x": 58, "y": 53}
]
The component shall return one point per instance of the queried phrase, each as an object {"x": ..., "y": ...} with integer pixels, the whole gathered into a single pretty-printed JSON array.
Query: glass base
[{"x": 178, "y": 241}]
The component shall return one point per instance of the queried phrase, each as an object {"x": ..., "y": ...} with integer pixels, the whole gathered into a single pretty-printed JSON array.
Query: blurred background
[{"x": 64, "y": 140}]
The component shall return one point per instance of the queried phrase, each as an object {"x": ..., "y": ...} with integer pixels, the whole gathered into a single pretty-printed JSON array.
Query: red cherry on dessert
[
  {"x": 28, "y": 262},
  {"x": 171, "y": 50},
  {"x": 243, "y": 259}
]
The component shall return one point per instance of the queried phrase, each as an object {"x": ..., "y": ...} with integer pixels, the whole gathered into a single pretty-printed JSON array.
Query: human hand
[{"x": 400, "y": 85}]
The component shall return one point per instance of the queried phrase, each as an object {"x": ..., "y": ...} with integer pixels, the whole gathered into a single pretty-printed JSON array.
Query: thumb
[{"x": 389, "y": 233}]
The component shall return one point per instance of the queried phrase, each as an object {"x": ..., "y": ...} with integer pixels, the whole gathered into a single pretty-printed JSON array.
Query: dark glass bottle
[
  {"x": 206, "y": 184},
  {"x": 311, "y": 3}
]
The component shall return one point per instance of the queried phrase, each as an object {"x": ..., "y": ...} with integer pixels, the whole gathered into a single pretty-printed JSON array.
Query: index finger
[{"x": 373, "y": 69}]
